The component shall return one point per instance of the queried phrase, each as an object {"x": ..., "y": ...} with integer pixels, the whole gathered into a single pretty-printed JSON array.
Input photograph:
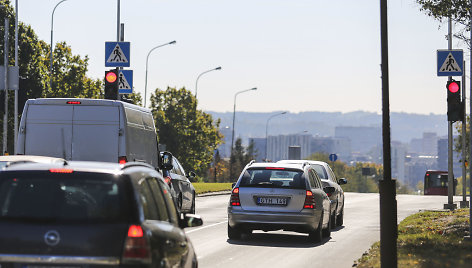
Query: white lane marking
[{"x": 204, "y": 227}]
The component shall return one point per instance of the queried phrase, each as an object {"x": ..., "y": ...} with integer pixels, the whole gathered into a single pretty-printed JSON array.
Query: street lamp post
[
  {"x": 232, "y": 134},
  {"x": 52, "y": 48},
  {"x": 196, "y": 83},
  {"x": 267, "y": 128},
  {"x": 147, "y": 62}
]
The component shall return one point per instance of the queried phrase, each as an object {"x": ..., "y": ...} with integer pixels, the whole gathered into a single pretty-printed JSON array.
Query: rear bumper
[
  {"x": 306, "y": 220},
  {"x": 64, "y": 260}
]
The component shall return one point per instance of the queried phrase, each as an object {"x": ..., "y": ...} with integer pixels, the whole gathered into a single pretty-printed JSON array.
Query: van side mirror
[
  {"x": 342, "y": 181},
  {"x": 167, "y": 161}
]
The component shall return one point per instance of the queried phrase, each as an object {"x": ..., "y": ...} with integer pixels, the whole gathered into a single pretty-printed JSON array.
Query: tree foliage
[
  {"x": 457, "y": 10},
  {"x": 190, "y": 134},
  {"x": 69, "y": 79},
  {"x": 241, "y": 156}
]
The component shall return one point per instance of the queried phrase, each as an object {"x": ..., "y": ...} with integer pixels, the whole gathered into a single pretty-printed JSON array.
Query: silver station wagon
[{"x": 278, "y": 196}]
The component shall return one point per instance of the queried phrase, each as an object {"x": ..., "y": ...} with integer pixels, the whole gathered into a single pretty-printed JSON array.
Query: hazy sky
[{"x": 302, "y": 55}]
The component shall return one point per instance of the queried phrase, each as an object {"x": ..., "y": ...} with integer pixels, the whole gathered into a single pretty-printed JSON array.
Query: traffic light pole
[
  {"x": 450, "y": 174},
  {"x": 387, "y": 189},
  {"x": 464, "y": 203}
]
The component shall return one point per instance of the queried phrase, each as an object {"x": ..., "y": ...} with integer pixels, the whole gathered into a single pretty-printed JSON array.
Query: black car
[
  {"x": 181, "y": 187},
  {"x": 90, "y": 214}
]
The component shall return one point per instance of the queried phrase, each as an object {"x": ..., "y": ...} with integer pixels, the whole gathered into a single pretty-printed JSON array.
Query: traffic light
[
  {"x": 111, "y": 84},
  {"x": 455, "y": 109}
]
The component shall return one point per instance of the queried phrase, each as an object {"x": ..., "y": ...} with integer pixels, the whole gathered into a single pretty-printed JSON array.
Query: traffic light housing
[
  {"x": 111, "y": 84},
  {"x": 455, "y": 108}
]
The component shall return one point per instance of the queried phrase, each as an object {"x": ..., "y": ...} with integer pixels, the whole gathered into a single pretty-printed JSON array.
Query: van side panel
[
  {"x": 48, "y": 130},
  {"x": 95, "y": 133},
  {"x": 141, "y": 139}
]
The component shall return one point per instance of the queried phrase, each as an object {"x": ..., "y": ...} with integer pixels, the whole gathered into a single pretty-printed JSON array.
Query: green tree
[
  {"x": 241, "y": 157},
  {"x": 33, "y": 61},
  {"x": 189, "y": 134},
  {"x": 457, "y": 10},
  {"x": 458, "y": 138}
]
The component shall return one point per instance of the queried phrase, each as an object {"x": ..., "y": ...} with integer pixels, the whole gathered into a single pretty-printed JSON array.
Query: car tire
[
  {"x": 340, "y": 218},
  {"x": 233, "y": 233},
  {"x": 317, "y": 235},
  {"x": 327, "y": 231},
  {"x": 333, "y": 220},
  {"x": 192, "y": 210}
]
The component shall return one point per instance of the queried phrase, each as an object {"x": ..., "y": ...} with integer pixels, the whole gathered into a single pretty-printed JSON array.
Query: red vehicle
[{"x": 435, "y": 182}]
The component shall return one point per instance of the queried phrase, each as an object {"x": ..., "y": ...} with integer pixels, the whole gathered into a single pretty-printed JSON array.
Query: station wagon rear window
[
  {"x": 273, "y": 178},
  {"x": 46, "y": 196}
]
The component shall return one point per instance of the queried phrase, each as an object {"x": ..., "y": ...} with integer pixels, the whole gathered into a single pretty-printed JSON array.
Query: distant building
[
  {"x": 363, "y": 139},
  {"x": 329, "y": 145},
  {"x": 277, "y": 146},
  {"x": 225, "y": 147},
  {"x": 398, "y": 155}
]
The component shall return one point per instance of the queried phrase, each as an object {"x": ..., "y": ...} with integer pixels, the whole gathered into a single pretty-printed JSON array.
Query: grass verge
[
  {"x": 207, "y": 187},
  {"x": 429, "y": 239}
]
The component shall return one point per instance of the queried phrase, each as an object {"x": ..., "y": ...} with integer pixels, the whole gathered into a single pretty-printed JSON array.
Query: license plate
[{"x": 274, "y": 201}]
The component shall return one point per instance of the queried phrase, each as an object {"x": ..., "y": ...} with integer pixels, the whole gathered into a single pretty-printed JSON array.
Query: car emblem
[{"x": 52, "y": 238}]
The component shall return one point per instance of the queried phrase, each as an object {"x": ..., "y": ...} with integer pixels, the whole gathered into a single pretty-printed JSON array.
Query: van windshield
[
  {"x": 43, "y": 196},
  {"x": 278, "y": 178}
]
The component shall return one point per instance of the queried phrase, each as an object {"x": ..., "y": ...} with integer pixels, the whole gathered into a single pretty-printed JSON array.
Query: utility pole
[
  {"x": 388, "y": 203},
  {"x": 5, "y": 62},
  {"x": 15, "y": 136},
  {"x": 450, "y": 173}
]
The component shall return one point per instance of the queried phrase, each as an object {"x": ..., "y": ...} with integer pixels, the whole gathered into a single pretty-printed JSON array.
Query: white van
[{"x": 88, "y": 129}]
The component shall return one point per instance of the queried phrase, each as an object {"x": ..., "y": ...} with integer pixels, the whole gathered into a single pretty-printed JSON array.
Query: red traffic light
[
  {"x": 453, "y": 87},
  {"x": 111, "y": 77}
]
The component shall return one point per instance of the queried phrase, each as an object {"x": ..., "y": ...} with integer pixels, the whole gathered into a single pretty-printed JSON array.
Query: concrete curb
[{"x": 214, "y": 193}]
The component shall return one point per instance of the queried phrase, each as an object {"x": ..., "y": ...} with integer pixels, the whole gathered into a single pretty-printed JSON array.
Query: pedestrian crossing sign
[
  {"x": 117, "y": 54},
  {"x": 450, "y": 62},
  {"x": 125, "y": 82}
]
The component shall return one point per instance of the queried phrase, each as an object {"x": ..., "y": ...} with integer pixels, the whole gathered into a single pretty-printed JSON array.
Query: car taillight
[
  {"x": 235, "y": 197},
  {"x": 136, "y": 249},
  {"x": 168, "y": 180},
  {"x": 309, "y": 200},
  {"x": 61, "y": 170},
  {"x": 122, "y": 160}
]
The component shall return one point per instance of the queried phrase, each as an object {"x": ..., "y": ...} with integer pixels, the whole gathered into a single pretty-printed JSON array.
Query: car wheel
[
  {"x": 192, "y": 210},
  {"x": 327, "y": 230},
  {"x": 340, "y": 218},
  {"x": 233, "y": 233},
  {"x": 316, "y": 235},
  {"x": 333, "y": 219}
]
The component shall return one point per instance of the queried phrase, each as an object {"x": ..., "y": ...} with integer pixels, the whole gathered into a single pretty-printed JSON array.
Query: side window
[
  {"x": 182, "y": 172},
  {"x": 171, "y": 209},
  {"x": 175, "y": 168},
  {"x": 333, "y": 177},
  {"x": 147, "y": 201},
  {"x": 311, "y": 179},
  {"x": 158, "y": 196},
  {"x": 316, "y": 179}
]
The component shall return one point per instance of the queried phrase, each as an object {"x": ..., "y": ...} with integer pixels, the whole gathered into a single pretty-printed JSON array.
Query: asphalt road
[{"x": 288, "y": 249}]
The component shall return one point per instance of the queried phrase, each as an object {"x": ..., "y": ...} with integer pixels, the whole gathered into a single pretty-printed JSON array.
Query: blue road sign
[
  {"x": 125, "y": 82},
  {"x": 333, "y": 157},
  {"x": 450, "y": 62},
  {"x": 117, "y": 54}
]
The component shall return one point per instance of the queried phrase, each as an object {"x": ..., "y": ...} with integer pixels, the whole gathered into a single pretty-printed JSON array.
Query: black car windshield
[
  {"x": 273, "y": 177},
  {"x": 44, "y": 196}
]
